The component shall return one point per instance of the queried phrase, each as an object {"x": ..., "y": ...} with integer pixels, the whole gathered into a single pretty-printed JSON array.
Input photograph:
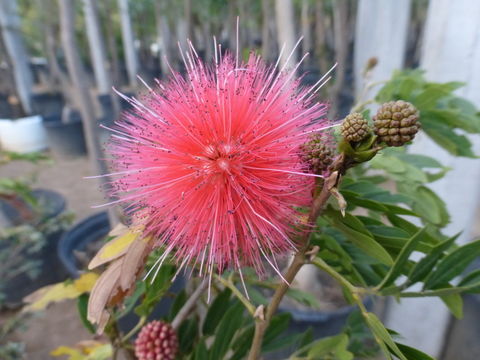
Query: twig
[
  {"x": 250, "y": 307},
  {"x": 185, "y": 310},
  {"x": 137, "y": 327},
  {"x": 299, "y": 260}
]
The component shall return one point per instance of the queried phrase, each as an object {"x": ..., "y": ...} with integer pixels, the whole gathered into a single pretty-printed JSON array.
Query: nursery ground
[{"x": 59, "y": 324}]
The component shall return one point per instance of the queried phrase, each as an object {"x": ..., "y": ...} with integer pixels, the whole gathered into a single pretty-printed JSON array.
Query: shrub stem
[{"x": 301, "y": 257}]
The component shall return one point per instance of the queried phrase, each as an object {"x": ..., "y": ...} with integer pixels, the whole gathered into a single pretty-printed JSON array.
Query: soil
[{"x": 59, "y": 324}]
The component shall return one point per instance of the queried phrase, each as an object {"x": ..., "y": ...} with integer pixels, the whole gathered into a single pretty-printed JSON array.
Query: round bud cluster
[
  {"x": 396, "y": 123},
  {"x": 156, "y": 341},
  {"x": 354, "y": 128},
  {"x": 318, "y": 152}
]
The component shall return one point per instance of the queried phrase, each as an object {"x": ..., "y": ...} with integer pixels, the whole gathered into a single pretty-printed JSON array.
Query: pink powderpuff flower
[{"x": 210, "y": 163}]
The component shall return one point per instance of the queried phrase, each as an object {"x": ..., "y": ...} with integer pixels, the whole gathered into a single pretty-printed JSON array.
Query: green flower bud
[
  {"x": 318, "y": 152},
  {"x": 354, "y": 128},
  {"x": 396, "y": 123}
]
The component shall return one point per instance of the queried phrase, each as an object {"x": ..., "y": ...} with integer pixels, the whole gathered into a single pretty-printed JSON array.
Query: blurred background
[{"x": 59, "y": 61}]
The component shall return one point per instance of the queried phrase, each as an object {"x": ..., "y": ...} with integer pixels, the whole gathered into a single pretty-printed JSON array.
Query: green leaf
[
  {"x": 333, "y": 347},
  {"x": 399, "y": 264},
  {"x": 227, "y": 328},
  {"x": 471, "y": 280},
  {"x": 420, "y": 161},
  {"x": 201, "y": 352},
  {"x": 413, "y": 354},
  {"x": 305, "y": 339},
  {"x": 242, "y": 343},
  {"x": 256, "y": 296},
  {"x": 456, "y": 144},
  {"x": 304, "y": 298},
  {"x": 277, "y": 326},
  {"x": 187, "y": 334},
  {"x": 381, "y": 333},
  {"x": 428, "y": 262},
  {"x": 402, "y": 224},
  {"x": 430, "y": 206},
  {"x": 155, "y": 290},
  {"x": 362, "y": 241},
  {"x": 433, "y": 92},
  {"x": 454, "y": 118},
  {"x": 281, "y": 343},
  {"x": 454, "y": 303},
  {"x": 453, "y": 264},
  {"x": 82, "y": 304},
  {"x": 180, "y": 300},
  {"x": 216, "y": 311}
]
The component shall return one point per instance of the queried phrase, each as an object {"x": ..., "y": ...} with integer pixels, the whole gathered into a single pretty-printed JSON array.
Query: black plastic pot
[
  {"x": 92, "y": 229},
  {"x": 50, "y": 270},
  {"x": 47, "y": 104},
  {"x": 66, "y": 140}
]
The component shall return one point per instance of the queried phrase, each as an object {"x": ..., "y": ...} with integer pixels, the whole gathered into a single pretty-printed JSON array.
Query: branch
[
  {"x": 185, "y": 310},
  {"x": 264, "y": 317},
  {"x": 250, "y": 307}
]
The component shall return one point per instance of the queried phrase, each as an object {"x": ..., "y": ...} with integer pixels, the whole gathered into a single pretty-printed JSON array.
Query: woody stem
[{"x": 300, "y": 258}]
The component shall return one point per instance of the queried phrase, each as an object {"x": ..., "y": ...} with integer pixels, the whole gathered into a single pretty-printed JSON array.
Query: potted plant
[{"x": 32, "y": 222}]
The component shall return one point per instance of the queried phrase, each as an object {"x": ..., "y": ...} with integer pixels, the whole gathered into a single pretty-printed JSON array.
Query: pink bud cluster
[{"x": 156, "y": 341}]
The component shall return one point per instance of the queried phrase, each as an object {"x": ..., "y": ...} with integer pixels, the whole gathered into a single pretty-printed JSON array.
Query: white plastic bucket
[{"x": 23, "y": 135}]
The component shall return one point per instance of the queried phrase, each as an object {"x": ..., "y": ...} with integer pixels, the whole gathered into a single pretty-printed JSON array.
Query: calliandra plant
[{"x": 229, "y": 167}]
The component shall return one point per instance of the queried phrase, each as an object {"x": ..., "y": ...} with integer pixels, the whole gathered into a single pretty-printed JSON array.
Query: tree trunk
[
  {"x": 320, "y": 36},
  {"x": 12, "y": 39},
  {"x": 97, "y": 47},
  {"x": 232, "y": 25},
  {"x": 112, "y": 46},
  {"x": 188, "y": 18},
  {"x": 286, "y": 35},
  {"x": 98, "y": 54},
  {"x": 306, "y": 26},
  {"x": 341, "y": 41},
  {"x": 84, "y": 101},
  {"x": 131, "y": 59},
  {"x": 164, "y": 37},
  {"x": 266, "y": 33}
]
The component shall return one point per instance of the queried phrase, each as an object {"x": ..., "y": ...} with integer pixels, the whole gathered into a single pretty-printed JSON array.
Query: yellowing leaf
[
  {"x": 73, "y": 354},
  {"x": 85, "y": 350},
  {"x": 85, "y": 282},
  {"x": 113, "y": 249},
  {"x": 101, "y": 352},
  {"x": 41, "y": 298}
]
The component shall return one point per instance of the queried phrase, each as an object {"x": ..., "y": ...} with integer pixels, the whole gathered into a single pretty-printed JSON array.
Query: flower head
[
  {"x": 212, "y": 163},
  {"x": 156, "y": 340}
]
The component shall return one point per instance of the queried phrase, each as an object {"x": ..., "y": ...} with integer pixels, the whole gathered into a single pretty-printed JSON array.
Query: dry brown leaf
[
  {"x": 132, "y": 260},
  {"x": 102, "y": 292},
  {"x": 118, "y": 230}
]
